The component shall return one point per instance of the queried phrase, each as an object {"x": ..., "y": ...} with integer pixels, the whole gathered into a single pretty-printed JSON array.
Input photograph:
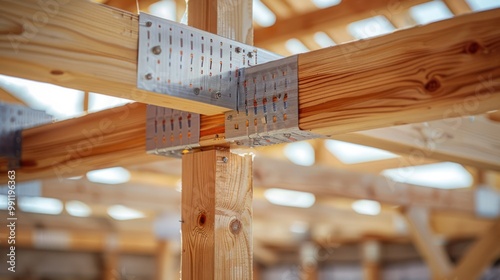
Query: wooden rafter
[
  {"x": 328, "y": 18},
  {"x": 352, "y": 106}
]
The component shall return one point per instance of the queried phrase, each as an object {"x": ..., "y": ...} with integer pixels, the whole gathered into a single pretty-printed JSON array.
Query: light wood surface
[
  {"x": 480, "y": 255},
  {"x": 327, "y": 181},
  {"x": 82, "y": 45},
  {"x": 216, "y": 215},
  {"x": 441, "y": 70}
]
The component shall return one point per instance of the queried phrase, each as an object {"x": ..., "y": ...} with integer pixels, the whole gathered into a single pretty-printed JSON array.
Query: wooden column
[
  {"x": 217, "y": 185},
  {"x": 216, "y": 216},
  {"x": 371, "y": 260},
  {"x": 167, "y": 268}
]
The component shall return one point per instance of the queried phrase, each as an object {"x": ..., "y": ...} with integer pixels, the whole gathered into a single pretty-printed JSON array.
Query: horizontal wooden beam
[
  {"x": 471, "y": 141},
  {"x": 326, "y": 181},
  {"x": 412, "y": 75},
  {"x": 442, "y": 70},
  {"x": 78, "y": 44},
  {"x": 479, "y": 256}
]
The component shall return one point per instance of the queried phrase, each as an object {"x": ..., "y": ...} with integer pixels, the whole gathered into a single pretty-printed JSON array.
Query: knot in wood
[
  {"x": 432, "y": 85},
  {"x": 235, "y": 226},
  {"x": 202, "y": 219},
  {"x": 472, "y": 47}
]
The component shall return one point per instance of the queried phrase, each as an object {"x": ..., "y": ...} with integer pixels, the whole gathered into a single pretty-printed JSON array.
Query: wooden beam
[
  {"x": 110, "y": 269},
  {"x": 371, "y": 259},
  {"x": 216, "y": 215},
  {"x": 467, "y": 85},
  {"x": 440, "y": 70},
  {"x": 81, "y": 45},
  {"x": 322, "y": 19},
  {"x": 326, "y": 181},
  {"x": 434, "y": 255},
  {"x": 454, "y": 139},
  {"x": 166, "y": 265},
  {"x": 217, "y": 193},
  {"x": 83, "y": 240},
  {"x": 480, "y": 256},
  {"x": 458, "y": 7}
]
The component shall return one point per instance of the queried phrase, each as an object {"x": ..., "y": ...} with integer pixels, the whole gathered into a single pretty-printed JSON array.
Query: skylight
[
  {"x": 444, "y": 175},
  {"x": 262, "y": 15},
  {"x": 164, "y": 9},
  {"x": 295, "y": 46},
  {"x": 78, "y": 209},
  {"x": 40, "y": 205},
  {"x": 113, "y": 175},
  {"x": 122, "y": 213},
  {"x": 322, "y": 39},
  {"x": 480, "y": 5},
  {"x": 290, "y": 198},
  {"x": 366, "y": 207},
  {"x": 98, "y": 102},
  {"x": 430, "y": 12},
  {"x": 350, "y": 153},
  {"x": 60, "y": 102},
  {"x": 370, "y": 27},
  {"x": 326, "y": 3},
  {"x": 300, "y": 153}
]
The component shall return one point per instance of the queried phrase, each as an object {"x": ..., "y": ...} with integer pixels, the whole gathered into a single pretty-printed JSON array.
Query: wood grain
[
  {"x": 216, "y": 215},
  {"x": 78, "y": 44},
  {"x": 441, "y": 70}
]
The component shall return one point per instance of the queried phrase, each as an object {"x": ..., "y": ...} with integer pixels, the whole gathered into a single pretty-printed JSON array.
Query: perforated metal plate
[
  {"x": 169, "y": 132},
  {"x": 267, "y": 111},
  {"x": 181, "y": 61},
  {"x": 14, "y": 118}
]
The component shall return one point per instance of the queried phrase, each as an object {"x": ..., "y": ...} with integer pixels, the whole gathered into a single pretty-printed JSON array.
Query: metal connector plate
[
  {"x": 171, "y": 132},
  {"x": 267, "y": 111},
  {"x": 186, "y": 62},
  {"x": 14, "y": 118}
]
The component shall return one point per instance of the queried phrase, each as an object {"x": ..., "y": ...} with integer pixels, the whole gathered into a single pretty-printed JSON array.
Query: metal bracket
[
  {"x": 171, "y": 132},
  {"x": 14, "y": 118},
  {"x": 186, "y": 62},
  {"x": 267, "y": 111}
]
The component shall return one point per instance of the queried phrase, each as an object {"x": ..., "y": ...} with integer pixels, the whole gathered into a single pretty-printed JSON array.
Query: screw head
[
  {"x": 230, "y": 117},
  {"x": 149, "y": 24},
  {"x": 225, "y": 159},
  {"x": 287, "y": 135},
  {"x": 196, "y": 91},
  {"x": 148, "y": 76},
  {"x": 218, "y": 94},
  {"x": 250, "y": 54},
  {"x": 156, "y": 50},
  {"x": 237, "y": 49}
]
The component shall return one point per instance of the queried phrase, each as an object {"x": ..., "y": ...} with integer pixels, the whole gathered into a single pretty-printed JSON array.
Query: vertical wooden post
[
  {"x": 166, "y": 264},
  {"x": 110, "y": 265},
  {"x": 371, "y": 260},
  {"x": 216, "y": 216},
  {"x": 309, "y": 262},
  {"x": 217, "y": 185}
]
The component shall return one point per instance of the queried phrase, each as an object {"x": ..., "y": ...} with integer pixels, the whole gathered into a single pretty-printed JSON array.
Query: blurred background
[{"x": 123, "y": 222}]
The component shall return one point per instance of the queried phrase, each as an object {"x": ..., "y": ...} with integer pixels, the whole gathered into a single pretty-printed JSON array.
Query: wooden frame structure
[{"x": 441, "y": 70}]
